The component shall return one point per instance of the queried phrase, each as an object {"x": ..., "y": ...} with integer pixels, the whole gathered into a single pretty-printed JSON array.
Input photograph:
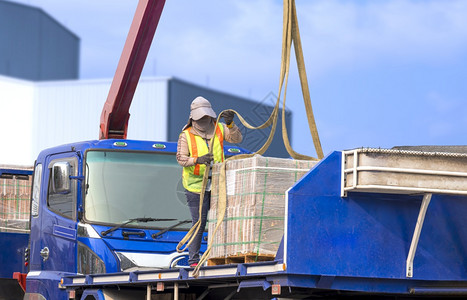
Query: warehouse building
[
  {"x": 42, "y": 104},
  {"x": 35, "y": 46},
  {"x": 39, "y": 115}
]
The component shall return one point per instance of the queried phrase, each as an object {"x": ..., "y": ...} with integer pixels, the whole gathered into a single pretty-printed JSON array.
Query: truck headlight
[{"x": 88, "y": 261}]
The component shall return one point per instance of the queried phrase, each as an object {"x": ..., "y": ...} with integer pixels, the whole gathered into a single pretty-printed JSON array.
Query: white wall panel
[
  {"x": 16, "y": 101},
  {"x": 70, "y": 111},
  {"x": 149, "y": 111},
  {"x": 36, "y": 116}
]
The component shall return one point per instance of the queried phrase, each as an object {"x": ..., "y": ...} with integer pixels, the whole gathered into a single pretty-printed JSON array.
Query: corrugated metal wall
[
  {"x": 181, "y": 93},
  {"x": 69, "y": 111},
  {"x": 36, "y": 116},
  {"x": 35, "y": 46}
]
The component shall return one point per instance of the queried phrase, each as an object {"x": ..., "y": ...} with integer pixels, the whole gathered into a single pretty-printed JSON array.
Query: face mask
[{"x": 203, "y": 124}]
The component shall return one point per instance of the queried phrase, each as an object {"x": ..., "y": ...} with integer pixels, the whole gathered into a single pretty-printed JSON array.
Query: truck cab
[{"x": 103, "y": 207}]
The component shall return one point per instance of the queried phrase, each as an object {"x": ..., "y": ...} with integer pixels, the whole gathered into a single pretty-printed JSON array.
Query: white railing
[
  {"x": 436, "y": 165},
  {"x": 409, "y": 187}
]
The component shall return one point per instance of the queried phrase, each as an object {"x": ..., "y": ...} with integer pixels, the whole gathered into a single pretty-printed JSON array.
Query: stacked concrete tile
[
  {"x": 254, "y": 220},
  {"x": 15, "y": 194}
]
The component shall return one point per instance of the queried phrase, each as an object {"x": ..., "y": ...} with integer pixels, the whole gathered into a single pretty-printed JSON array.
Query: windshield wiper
[
  {"x": 145, "y": 220},
  {"x": 156, "y": 235}
]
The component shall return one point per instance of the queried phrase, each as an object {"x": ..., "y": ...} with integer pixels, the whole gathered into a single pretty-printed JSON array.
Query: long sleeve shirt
[{"x": 231, "y": 135}]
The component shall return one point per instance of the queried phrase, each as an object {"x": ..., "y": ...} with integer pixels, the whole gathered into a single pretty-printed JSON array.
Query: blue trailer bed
[{"x": 350, "y": 230}]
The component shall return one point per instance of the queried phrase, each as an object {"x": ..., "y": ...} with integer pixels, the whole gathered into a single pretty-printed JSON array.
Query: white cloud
[
  {"x": 341, "y": 33},
  {"x": 235, "y": 45},
  {"x": 243, "y": 36},
  {"x": 238, "y": 45}
]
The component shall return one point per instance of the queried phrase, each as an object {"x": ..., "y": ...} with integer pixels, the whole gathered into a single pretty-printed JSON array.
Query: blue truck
[
  {"x": 366, "y": 223},
  {"x": 106, "y": 216},
  {"x": 98, "y": 207}
]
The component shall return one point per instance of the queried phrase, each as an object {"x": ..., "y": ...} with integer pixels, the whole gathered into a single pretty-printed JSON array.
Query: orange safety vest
[{"x": 193, "y": 176}]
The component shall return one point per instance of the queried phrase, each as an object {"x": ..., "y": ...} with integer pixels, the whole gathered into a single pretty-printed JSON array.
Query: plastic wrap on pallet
[
  {"x": 15, "y": 194},
  {"x": 254, "y": 221}
]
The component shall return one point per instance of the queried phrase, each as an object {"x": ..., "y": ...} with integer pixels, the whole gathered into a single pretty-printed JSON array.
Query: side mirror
[{"x": 61, "y": 178}]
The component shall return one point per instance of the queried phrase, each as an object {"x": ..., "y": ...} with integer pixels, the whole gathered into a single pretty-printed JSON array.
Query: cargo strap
[{"x": 290, "y": 34}]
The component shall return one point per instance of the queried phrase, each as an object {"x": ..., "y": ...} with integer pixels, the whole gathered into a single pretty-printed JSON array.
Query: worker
[{"x": 193, "y": 155}]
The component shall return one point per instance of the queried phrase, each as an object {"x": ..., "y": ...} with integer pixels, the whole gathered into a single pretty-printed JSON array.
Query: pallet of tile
[
  {"x": 15, "y": 199},
  {"x": 254, "y": 219}
]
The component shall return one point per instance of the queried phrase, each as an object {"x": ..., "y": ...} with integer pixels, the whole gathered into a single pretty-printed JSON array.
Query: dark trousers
[{"x": 193, "y": 203}]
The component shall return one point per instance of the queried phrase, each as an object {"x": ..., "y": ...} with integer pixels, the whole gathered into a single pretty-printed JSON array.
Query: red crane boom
[{"x": 115, "y": 113}]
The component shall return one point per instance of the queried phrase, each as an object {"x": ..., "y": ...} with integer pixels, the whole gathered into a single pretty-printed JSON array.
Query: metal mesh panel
[{"x": 450, "y": 149}]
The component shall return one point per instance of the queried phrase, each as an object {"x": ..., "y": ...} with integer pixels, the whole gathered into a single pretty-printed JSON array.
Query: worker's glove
[
  {"x": 205, "y": 159},
  {"x": 228, "y": 116}
]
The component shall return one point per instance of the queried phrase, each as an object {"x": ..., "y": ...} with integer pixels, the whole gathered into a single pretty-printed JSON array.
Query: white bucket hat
[{"x": 201, "y": 107}]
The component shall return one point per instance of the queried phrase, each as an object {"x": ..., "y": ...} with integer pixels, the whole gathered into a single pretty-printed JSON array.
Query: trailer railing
[{"x": 405, "y": 172}]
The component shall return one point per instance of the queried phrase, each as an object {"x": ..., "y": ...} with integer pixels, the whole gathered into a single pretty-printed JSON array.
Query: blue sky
[{"x": 381, "y": 73}]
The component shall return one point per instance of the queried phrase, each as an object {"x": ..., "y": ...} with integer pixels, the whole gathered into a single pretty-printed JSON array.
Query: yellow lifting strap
[{"x": 290, "y": 34}]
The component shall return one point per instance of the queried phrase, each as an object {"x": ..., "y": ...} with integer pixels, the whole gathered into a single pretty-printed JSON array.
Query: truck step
[{"x": 240, "y": 259}]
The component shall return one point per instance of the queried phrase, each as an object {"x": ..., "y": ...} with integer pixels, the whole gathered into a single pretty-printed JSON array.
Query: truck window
[
  {"x": 62, "y": 204},
  {"x": 123, "y": 185}
]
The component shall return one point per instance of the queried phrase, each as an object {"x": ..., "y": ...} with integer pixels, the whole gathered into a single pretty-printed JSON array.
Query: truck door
[{"x": 58, "y": 248}]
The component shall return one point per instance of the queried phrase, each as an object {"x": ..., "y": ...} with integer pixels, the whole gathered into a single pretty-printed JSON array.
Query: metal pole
[
  {"x": 230, "y": 295},
  {"x": 148, "y": 292},
  {"x": 416, "y": 234},
  {"x": 176, "y": 291}
]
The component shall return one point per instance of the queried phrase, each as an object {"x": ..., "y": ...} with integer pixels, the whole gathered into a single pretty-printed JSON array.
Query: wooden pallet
[{"x": 240, "y": 259}]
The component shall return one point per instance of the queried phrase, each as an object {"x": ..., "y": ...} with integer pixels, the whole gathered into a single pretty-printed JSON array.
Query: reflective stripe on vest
[
  {"x": 193, "y": 150},
  {"x": 193, "y": 175}
]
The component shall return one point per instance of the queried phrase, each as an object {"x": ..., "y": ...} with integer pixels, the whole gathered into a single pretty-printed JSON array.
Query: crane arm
[{"x": 115, "y": 113}]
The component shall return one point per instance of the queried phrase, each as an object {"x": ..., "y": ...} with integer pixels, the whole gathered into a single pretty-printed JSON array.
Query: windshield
[{"x": 127, "y": 185}]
